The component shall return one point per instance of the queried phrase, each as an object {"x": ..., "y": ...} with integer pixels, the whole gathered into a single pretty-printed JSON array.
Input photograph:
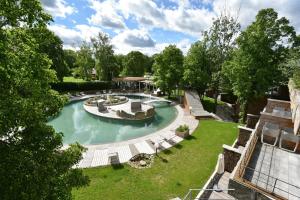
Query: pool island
[{"x": 119, "y": 107}]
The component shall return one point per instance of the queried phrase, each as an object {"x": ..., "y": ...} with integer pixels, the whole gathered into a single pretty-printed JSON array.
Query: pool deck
[{"x": 99, "y": 155}]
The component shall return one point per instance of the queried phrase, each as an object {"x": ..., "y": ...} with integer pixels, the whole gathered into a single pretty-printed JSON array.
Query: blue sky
[{"x": 150, "y": 25}]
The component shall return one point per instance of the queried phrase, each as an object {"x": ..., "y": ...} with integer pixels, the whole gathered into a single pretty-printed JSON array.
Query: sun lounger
[
  {"x": 270, "y": 130},
  {"x": 288, "y": 136},
  {"x": 113, "y": 158}
]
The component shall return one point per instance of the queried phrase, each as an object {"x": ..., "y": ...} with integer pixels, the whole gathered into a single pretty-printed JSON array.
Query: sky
[{"x": 151, "y": 25}]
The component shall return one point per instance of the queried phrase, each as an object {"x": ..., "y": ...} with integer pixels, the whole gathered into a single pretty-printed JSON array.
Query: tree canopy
[
  {"x": 52, "y": 45},
  {"x": 85, "y": 61},
  {"x": 106, "y": 65},
  {"x": 254, "y": 67},
  {"x": 134, "y": 64},
  {"x": 33, "y": 165},
  {"x": 168, "y": 68},
  {"x": 197, "y": 67}
]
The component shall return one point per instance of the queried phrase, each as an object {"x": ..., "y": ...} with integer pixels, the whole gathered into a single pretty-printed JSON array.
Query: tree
[
  {"x": 85, "y": 61},
  {"x": 52, "y": 45},
  {"x": 104, "y": 55},
  {"x": 70, "y": 58},
  {"x": 254, "y": 68},
  {"x": 168, "y": 68},
  {"x": 197, "y": 67},
  {"x": 33, "y": 165},
  {"x": 134, "y": 64},
  {"x": 221, "y": 40},
  {"x": 119, "y": 63}
]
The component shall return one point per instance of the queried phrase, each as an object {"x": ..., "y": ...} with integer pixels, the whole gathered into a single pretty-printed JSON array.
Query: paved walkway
[
  {"x": 99, "y": 155},
  {"x": 194, "y": 102}
]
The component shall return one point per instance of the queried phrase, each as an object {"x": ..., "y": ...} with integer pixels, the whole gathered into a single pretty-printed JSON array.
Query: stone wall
[
  {"x": 251, "y": 120},
  {"x": 227, "y": 112},
  {"x": 231, "y": 157},
  {"x": 244, "y": 135},
  {"x": 272, "y": 103},
  {"x": 295, "y": 106}
]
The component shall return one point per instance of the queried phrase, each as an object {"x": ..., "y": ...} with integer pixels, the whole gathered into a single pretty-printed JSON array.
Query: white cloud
[
  {"x": 106, "y": 15},
  {"x": 58, "y": 8},
  {"x": 140, "y": 40},
  {"x": 182, "y": 19},
  {"x": 73, "y": 37},
  {"x": 249, "y": 9}
]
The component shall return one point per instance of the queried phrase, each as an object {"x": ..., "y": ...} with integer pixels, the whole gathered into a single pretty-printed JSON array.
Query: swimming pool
[{"x": 79, "y": 126}]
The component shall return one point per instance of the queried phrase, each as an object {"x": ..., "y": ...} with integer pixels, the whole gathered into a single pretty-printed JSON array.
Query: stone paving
[
  {"x": 275, "y": 170},
  {"x": 98, "y": 155}
]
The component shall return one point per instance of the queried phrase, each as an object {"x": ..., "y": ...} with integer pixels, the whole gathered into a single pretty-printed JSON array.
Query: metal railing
[
  {"x": 276, "y": 180},
  {"x": 190, "y": 194}
]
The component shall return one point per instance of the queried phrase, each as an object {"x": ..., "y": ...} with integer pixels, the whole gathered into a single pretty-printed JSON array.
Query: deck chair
[
  {"x": 270, "y": 130},
  {"x": 113, "y": 158},
  {"x": 288, "y": 135}
]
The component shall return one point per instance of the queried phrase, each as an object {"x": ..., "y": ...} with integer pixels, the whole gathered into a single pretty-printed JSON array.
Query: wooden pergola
[{"x": 133, "y": 81}]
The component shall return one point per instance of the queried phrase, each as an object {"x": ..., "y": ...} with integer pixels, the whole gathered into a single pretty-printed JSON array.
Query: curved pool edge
[
  {"x": 98, "y": 155},
  {"x": 179, "y": 120}
]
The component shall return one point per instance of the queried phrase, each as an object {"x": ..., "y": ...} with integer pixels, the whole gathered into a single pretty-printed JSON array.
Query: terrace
[{"x": 266, "y": 170}]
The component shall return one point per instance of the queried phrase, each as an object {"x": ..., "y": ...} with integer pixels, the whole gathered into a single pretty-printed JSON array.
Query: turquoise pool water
[{"x": 78, "y": 125}]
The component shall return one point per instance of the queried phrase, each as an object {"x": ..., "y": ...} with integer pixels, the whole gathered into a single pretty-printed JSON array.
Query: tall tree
[
  {"x": 70, "y": 58},
  {"x": 168, "y": 68},
  {"x": 52, "y": 45},
  {"x": 197, "y": 67},
  {"x": 254, "y": 68},
  {"x": 221, "y": 39},
  {"x": 134, "y": 64},
  {"x": 85, "y": 61},
  {"x": 33, "y": 165},
  {"x": 104, "y": 54}
]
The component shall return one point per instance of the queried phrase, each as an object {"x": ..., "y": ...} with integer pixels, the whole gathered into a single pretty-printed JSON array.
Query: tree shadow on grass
[
  {"x": 117, "y": 166},
  {"x": 162, "y": 159},
  {"x": 190, "y": 137},
  {"x": 178, "y": 146},
  {"x": 167, "y": 151}
]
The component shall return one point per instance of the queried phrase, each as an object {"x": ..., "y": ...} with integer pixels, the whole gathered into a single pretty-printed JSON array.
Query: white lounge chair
[
  {"x": 270, "y": 130},
  {"x": 288, "y": 135}
]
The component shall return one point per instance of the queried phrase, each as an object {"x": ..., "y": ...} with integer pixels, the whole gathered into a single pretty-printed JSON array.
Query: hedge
[{"x": 81, "y": 86}]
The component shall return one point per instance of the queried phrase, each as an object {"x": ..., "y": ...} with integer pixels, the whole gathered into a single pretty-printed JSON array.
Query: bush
[
  {"x": 209, "y": 104},
  {"x": 182, "y": 128},
  {"x": 81, "y": 86}
]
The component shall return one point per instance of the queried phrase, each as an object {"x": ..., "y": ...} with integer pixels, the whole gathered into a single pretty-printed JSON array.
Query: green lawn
[
  {"x": 188, "y": 165},
  {"x": 72, "y": 79}
]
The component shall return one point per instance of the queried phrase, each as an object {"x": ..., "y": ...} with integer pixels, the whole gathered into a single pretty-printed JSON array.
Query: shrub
[
  {"x": 81, "y": 86},
  {"x": 182, "y": 128}
]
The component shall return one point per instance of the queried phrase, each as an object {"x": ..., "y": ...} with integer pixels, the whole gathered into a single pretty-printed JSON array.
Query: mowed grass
[
  {"x": 72, "y": 79},
  {"x": 173, "y": 173}
]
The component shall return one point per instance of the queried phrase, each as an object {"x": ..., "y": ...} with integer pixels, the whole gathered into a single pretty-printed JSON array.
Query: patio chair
[
  {"x": 288, "y": 136},
  {"x": 270, "y": 130},
  {"x": 113, "y": 158}
]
